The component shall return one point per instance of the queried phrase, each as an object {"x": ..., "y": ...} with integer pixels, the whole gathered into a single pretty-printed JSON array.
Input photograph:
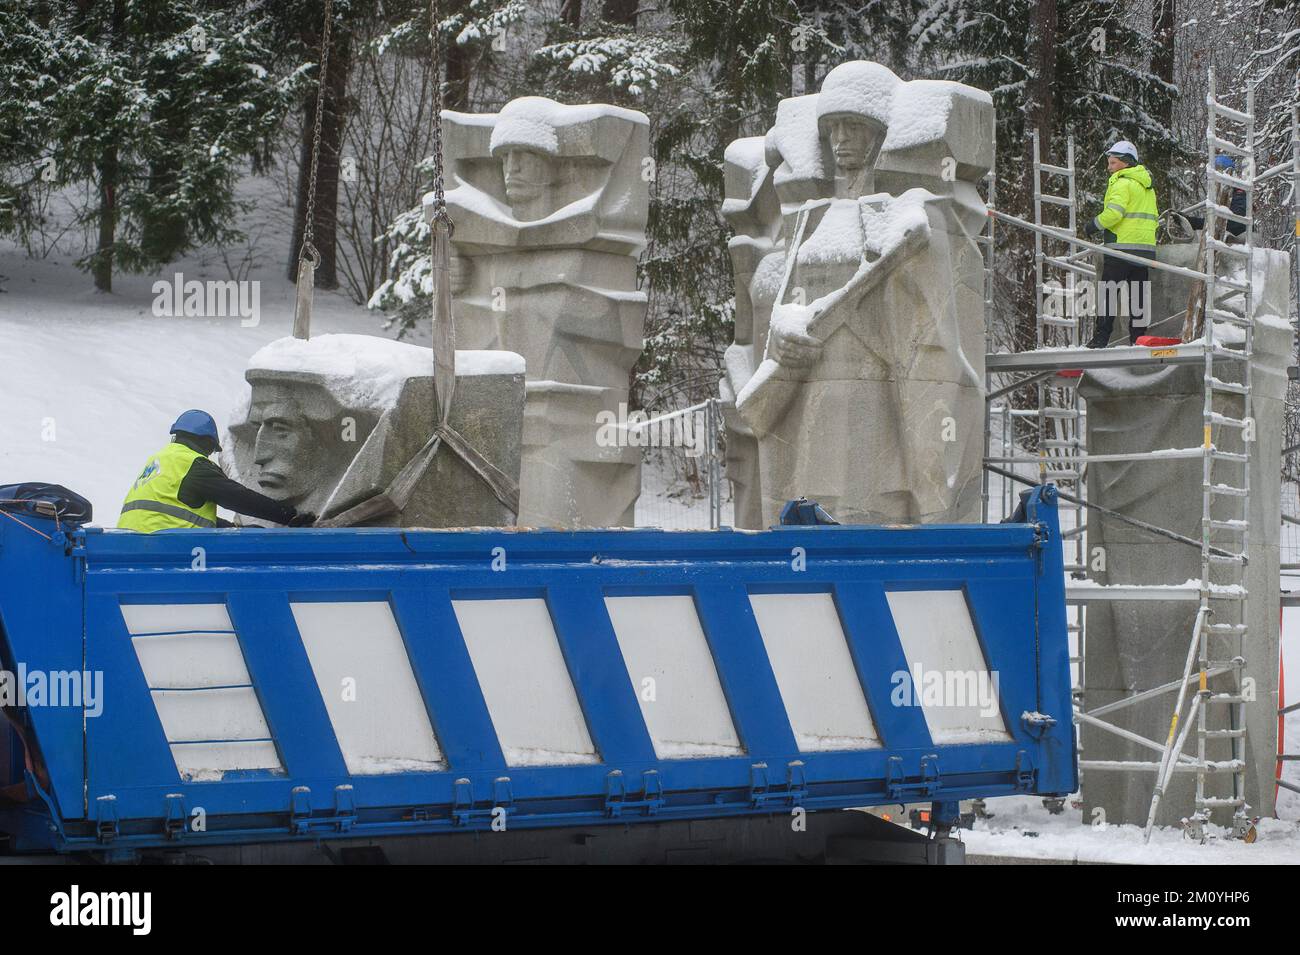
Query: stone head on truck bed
[{"x": 331, "y": 421}]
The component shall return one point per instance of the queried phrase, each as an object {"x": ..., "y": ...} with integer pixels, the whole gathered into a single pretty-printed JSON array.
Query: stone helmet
[
  {"x": 533, "y": 123},
  {"x": 858, "y": 88}
]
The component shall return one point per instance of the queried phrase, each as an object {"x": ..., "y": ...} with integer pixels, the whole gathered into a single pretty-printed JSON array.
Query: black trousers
[{"x": 1124, "y": 286}]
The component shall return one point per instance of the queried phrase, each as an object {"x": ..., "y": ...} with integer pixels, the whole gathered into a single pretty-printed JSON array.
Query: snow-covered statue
[
  {"x": 550, "y": 206},
  {"x": 329, "y": 423},
  {"x": 857, "y": 374},
  {"x": 289, "y": 442}
]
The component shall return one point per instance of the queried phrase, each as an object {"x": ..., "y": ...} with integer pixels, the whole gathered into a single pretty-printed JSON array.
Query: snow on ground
[
  {"x": 1021, "y": 827},
  {"x": 91, "y": 382},
  {"x": 670, "y": 501}
]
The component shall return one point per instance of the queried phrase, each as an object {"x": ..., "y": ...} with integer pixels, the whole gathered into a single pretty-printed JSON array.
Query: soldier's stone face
[
  {"x": 287, "y": 450},
  {"x": 854, "y": 142},
  {"x": 529, "y": 177}
]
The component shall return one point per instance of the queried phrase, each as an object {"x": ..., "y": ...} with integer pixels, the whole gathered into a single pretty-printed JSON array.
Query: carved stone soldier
[{"x": 550, "y": 206}]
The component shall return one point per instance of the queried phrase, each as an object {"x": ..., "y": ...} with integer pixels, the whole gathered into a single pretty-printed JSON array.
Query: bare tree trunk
[
  {"x": 327, "y": 170},
  {"x": 1040, "y": 111},
  {"x": 619, "y": 11},
  {"x": 460, "y": 71},
  {"x": 1164, "y": 14},
  {"x": 571, "y": 12},
  {"x": 1041, "y": 106},
  {"x": 103, "y": 261},
  {"x": 109, "y": 171}
]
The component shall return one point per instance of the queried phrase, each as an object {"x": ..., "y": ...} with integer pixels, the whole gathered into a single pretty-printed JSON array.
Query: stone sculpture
[
  {"x": 856, "y": 377},
  {"x": 330, "y": 422},
  {"x": 550, "y": 204}
]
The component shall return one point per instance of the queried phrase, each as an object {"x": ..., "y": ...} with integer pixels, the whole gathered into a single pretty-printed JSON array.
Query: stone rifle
[{"x": 763, "y": 403}]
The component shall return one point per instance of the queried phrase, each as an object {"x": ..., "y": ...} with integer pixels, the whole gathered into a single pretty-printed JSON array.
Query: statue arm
[
  {"x": 915, "y": 238},
  {"x": 737, "y": 365},
  {"x": 205, "y": 482},
  {"x": 792, "y": 348}
]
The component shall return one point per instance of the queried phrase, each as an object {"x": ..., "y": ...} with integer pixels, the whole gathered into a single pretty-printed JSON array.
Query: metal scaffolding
[{"x": 1061, "y": 264}]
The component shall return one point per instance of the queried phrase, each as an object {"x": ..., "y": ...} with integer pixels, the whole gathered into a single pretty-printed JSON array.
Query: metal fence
[
  {"x": 1290, "y": 541},
  {"x": 683, "y": 482}
]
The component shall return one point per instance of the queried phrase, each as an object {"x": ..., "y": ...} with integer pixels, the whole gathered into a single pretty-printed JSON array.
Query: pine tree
[
  {"x": 159, "y": 104},
  {"x": 1065, "y": 68},
  {"x": 24, "y": 120}
]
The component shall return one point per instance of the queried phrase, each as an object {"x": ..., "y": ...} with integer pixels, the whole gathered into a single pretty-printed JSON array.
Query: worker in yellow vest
[
  {"x": 180, "y": 488},
  {"x": 1128, "y": 222}
]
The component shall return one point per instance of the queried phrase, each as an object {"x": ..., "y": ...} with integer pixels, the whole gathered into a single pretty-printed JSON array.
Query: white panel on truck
[
  {"x": 948, "y": 676},
  {"x": 814, "y": 671},
  {"x": 673, "y": 675},
  {"x": 525, "y": 681},
  {"x": 201, "y": 689},
  {"x": 364, "y": 674}
]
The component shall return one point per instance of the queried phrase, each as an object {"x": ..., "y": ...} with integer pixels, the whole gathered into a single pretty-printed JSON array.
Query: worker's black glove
[
  {"x": 1091, "y": 229},
  {"x": 302, "y": 519}
]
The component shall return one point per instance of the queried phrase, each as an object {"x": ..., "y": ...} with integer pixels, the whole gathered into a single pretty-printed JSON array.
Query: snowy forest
[
  {"x": 130, "y": 129},
  {"x": 727, "y": 312}
]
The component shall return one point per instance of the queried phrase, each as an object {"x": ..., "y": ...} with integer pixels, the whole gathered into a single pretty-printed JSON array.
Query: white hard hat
[{"x": 1124, "y": 150}]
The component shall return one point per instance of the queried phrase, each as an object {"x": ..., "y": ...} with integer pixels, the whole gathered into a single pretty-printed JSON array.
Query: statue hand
[{"x": 793, "y": 349}]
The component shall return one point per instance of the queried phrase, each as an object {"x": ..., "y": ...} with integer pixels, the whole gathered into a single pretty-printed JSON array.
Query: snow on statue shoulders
[
  {"x": 868, "y": 358},
  {"x": 540, "y": 173},
  {"x": 550, "y": 205}
]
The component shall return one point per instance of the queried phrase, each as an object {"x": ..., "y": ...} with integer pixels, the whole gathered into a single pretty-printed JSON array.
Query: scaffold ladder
[
  {"x": 1222, "y": 613},
  {"x": 1060, "y": 313},
  {"x": 1224, "y": 351}
]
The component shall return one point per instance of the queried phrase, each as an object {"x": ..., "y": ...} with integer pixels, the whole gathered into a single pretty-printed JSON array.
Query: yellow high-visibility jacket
[
  {"x": 152, "y": 503},
  {"x": 1129, "y": 213}
]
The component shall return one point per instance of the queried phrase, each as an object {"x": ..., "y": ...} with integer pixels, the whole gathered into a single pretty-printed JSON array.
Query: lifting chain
[
  {"x": 435, "y": 39},
  {"x": 308, "y": 254},
  {"x": 444, "y": 333},
  {"x": 309, "y": 219}
]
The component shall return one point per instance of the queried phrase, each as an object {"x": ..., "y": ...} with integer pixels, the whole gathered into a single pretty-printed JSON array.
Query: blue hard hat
[
  {"x": 200, "y": 423},
  {"x": 1224, "y": 162}
]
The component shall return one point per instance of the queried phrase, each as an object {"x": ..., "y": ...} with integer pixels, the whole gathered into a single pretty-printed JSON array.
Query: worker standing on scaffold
[{"x": 1127, "y": 222}]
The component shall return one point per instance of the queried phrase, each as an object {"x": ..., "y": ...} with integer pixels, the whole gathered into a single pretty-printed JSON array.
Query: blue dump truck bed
[{"x": 226, "y": 687}]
